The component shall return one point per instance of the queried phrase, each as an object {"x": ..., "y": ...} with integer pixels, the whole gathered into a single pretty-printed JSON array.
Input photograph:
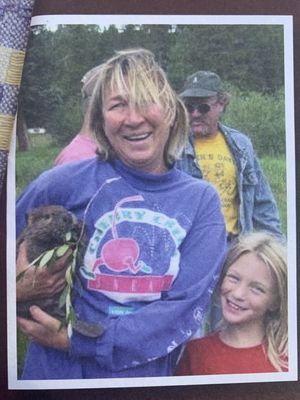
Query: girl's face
[{"x": 248, "y": 291}]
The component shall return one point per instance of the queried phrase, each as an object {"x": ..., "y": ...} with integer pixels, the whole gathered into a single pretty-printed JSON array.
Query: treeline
[{"x": 249, "y": 58}]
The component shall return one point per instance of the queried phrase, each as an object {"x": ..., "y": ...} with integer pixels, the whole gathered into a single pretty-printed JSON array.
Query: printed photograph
[{"x": 153, "y": 203}]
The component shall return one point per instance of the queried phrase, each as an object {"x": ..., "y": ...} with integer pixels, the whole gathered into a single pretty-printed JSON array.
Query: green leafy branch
[{"x": 47, "y": 259}]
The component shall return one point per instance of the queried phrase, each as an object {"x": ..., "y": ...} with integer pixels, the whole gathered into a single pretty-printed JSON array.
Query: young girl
[{"x": 253, "y": 296}]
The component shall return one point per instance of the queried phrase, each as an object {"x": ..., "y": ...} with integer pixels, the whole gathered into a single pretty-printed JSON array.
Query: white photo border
[{"x": 291, "y": 375}]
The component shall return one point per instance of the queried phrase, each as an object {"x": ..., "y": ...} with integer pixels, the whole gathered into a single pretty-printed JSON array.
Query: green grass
[
  {"x": 22, "y": 347},
  {"x": 29, "y": 164}
]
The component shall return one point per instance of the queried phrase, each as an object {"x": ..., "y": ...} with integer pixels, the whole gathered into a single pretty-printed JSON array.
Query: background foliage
[{"x": 249, "y": 58}]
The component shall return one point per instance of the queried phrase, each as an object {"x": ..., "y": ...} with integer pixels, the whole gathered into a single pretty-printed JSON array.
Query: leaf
[
  {"x": 72, "y": 316},
  {"x": 20, "y": 275},
  {"x": 61, "y": 250},
  {"x": 36, "y": 260},
  {"x": 73, "y": 265},
  {"x": 69, "y": 277},
  {"x": 68, "y": 236},
  {"x": 69, "y": 329},
  {"x": 68, "y": 302},
  {"x": 62, "y": 297},
  {"x": 46, "y": 258}
]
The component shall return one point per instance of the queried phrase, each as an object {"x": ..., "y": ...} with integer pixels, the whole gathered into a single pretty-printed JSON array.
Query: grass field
[
  {"x": 42, "y": 153},
  {"x": 29, "y": 164},
  {"x": 275, "y": 171}
]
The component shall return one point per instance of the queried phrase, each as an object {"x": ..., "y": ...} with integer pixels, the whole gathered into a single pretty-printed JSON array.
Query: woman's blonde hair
[
  {"x": 273, "y": 253},
  {"x": 135, "y": 74}
]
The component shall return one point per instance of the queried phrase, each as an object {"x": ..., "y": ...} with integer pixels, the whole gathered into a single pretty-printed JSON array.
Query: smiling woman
[
  {"x": 141, "y": 113},
  {"x": 138, "y": 136},
  {"x": 147, "y": 226}
]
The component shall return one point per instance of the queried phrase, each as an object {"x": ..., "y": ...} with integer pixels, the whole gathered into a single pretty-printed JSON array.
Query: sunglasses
[{"x": 202, "y": 108}]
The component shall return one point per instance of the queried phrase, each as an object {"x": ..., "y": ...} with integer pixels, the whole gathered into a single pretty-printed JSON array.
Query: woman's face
[
  {"x": 137, "y": 136},
  {"x": 248, "y": 291}
]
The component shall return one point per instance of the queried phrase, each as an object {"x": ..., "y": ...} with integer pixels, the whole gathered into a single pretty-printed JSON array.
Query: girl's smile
[{"x": 248, "y": 291}]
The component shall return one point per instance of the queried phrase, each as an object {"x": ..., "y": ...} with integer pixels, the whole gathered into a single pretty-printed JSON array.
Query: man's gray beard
[{"x": 203, "y": 133}]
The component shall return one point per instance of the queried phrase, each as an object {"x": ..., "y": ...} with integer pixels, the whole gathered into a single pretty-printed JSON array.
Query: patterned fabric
[
  {"x": 14, "y": 28},
  {"x": 3, "y": 163}
]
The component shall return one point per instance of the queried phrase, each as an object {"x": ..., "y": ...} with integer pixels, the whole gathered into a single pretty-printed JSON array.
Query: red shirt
[{"x": 209, "y": 355}]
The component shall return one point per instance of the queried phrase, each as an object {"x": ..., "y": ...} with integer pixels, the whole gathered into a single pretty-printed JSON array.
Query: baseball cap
[{"x": 202, "y": 84}]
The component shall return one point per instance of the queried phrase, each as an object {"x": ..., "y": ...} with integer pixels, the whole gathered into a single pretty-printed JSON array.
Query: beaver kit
[{"x": 50, "y": 233}]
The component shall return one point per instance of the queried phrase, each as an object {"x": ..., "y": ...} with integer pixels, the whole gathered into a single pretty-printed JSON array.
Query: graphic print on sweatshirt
[{"x": 133, "y": 253}]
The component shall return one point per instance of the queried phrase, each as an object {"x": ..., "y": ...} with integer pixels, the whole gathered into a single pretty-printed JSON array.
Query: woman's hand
[
  {"x": 44, "y": 330},
  {"x": 39, "y": 282}
]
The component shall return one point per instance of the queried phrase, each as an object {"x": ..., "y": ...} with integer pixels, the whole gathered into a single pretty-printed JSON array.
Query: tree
[
  {"x": 236, "y": 52},
  {"x": 39, "y": 94},
  {"x": 250, "y": 57}
]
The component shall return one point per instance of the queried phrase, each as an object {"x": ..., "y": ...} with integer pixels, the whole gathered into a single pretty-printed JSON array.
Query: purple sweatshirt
[{"x": 156, "y": 244}]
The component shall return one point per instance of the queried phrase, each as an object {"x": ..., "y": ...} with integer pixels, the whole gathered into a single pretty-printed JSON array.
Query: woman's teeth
[{"x": 138, "y": 137}]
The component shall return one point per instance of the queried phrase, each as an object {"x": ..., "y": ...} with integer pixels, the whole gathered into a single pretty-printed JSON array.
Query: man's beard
[{"x": 204, "y": 128}]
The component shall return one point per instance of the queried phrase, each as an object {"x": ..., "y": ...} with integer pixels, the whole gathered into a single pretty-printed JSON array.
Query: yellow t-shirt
[{"x": 218, "y": 168}]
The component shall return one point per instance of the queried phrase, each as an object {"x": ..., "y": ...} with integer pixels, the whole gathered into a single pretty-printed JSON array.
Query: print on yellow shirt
[{"x": 219, "y": 169}]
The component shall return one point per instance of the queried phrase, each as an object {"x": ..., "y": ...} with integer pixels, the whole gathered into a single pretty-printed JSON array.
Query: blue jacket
[{"x": 257, "y": 207}]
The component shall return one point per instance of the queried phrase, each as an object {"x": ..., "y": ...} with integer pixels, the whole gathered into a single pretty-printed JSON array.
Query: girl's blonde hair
[
  {"x": 273, "y": 253},
  {"x": 135, "y": 74}
]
